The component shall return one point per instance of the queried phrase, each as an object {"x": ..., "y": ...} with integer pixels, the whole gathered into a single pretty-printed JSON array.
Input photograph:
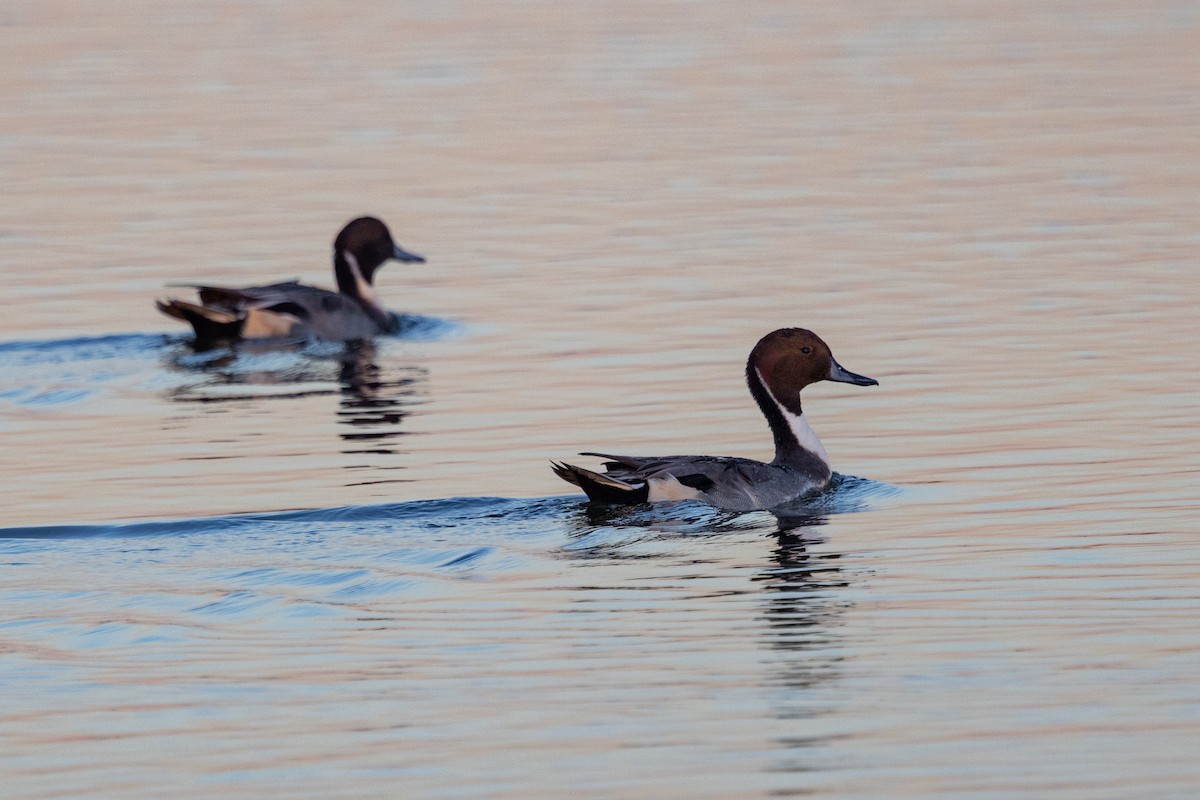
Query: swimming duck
[
  {"x": 780, "y": 365},
  {"x": 295, "y": 310}
]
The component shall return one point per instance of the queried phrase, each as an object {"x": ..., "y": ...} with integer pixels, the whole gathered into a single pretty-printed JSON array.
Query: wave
[
  {"x": 62, "y": 372},
  {"x": 847, "y": 494}
]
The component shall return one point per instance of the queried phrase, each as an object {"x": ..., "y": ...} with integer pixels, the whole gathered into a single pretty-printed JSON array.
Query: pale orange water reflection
[{"x": 993, "y": 209}]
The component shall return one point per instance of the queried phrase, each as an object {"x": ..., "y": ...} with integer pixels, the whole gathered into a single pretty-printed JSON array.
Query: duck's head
[
  {"x": 789, "y": 359},
  {"x": 367, "y": 243}
]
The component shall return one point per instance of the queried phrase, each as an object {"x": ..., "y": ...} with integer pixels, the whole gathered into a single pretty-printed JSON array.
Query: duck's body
[
  {"x": 737, "y": 484},
  {"x": 295, "y": 310},
  {"x": 781, "y": 364}
]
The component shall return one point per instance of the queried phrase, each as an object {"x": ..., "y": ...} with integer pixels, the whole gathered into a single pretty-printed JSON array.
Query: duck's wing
[
  {"x": 236, "y": 299},
  {"x": 289, "y": 310},
  {"x": 738, "y": 484},
  {"x": 280, "y": 310},
  {"x": 699, "y": 472},
  {"x": 214, "y": 323},
  {"x": 327, "y": 315}
]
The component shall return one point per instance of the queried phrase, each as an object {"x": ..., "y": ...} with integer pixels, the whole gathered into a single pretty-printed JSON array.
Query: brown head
[
  {"x": 790, "y": 359},
  {"x": 369, "y": 243}
]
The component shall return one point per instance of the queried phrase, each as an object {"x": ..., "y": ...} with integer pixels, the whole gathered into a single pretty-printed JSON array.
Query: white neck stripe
[
  {"x": 799, "y": 426},
  {"x": 365, "y": 290}
]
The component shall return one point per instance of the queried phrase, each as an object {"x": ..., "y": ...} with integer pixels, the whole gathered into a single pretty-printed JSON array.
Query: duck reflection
[
  {"x": 798, "y": 581},
  {"x": 373, "y": 399},
  {"x": 800, "y": 610},
  {"x": 372, "y": 403},
  {"x": 790, "y": 608}
]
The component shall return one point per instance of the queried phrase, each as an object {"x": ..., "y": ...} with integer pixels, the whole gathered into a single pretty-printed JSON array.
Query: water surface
[{"x": 349, "y": 572}]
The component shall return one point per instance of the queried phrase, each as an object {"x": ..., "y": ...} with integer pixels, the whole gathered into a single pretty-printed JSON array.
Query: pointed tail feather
[
  {"x": 208, "y": 323},
  {"x": 169, "y": 308},
  {"x": 601, "y": 488},
  {"x": 565, "y": 471},
  {"x": 632, "y": 462}
]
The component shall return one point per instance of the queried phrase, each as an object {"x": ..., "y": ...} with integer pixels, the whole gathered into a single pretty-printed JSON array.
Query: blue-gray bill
[{"x": 842, "y": 375}]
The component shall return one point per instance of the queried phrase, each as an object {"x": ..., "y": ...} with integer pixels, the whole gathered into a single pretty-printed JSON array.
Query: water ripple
[{"x": 846, "y": 495}]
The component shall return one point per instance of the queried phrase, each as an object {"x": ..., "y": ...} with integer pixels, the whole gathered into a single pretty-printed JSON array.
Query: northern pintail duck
[
  {"x": 780, "y": 365},
  {"x": 295, "y": 310}
]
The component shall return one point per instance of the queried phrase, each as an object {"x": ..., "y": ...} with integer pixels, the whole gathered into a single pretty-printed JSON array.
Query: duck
[
  {"x": 294, "y": 310},
  {"x": 781, "y": 364}
]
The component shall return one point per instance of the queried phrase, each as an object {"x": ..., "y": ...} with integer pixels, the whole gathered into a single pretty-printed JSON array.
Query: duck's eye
[{"x": 806, "y": 349}]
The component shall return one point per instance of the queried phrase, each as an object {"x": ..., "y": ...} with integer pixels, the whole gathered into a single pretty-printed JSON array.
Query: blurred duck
[
  {"x": 294, "y": 310},
  {"x": 780, "y": 366}
]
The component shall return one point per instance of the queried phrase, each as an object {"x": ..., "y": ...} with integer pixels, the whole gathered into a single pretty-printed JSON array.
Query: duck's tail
[
  {"x": 209, "y": 323},
  {"x": 601, "y": 488}
]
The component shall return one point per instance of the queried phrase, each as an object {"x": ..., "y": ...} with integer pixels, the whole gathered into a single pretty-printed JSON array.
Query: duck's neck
[
  {"x": 796, "y": 443},
  {"x": 352, "y": 282}
]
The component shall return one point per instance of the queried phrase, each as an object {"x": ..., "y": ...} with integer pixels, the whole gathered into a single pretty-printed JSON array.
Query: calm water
[{"x": 337, "y": 572}]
